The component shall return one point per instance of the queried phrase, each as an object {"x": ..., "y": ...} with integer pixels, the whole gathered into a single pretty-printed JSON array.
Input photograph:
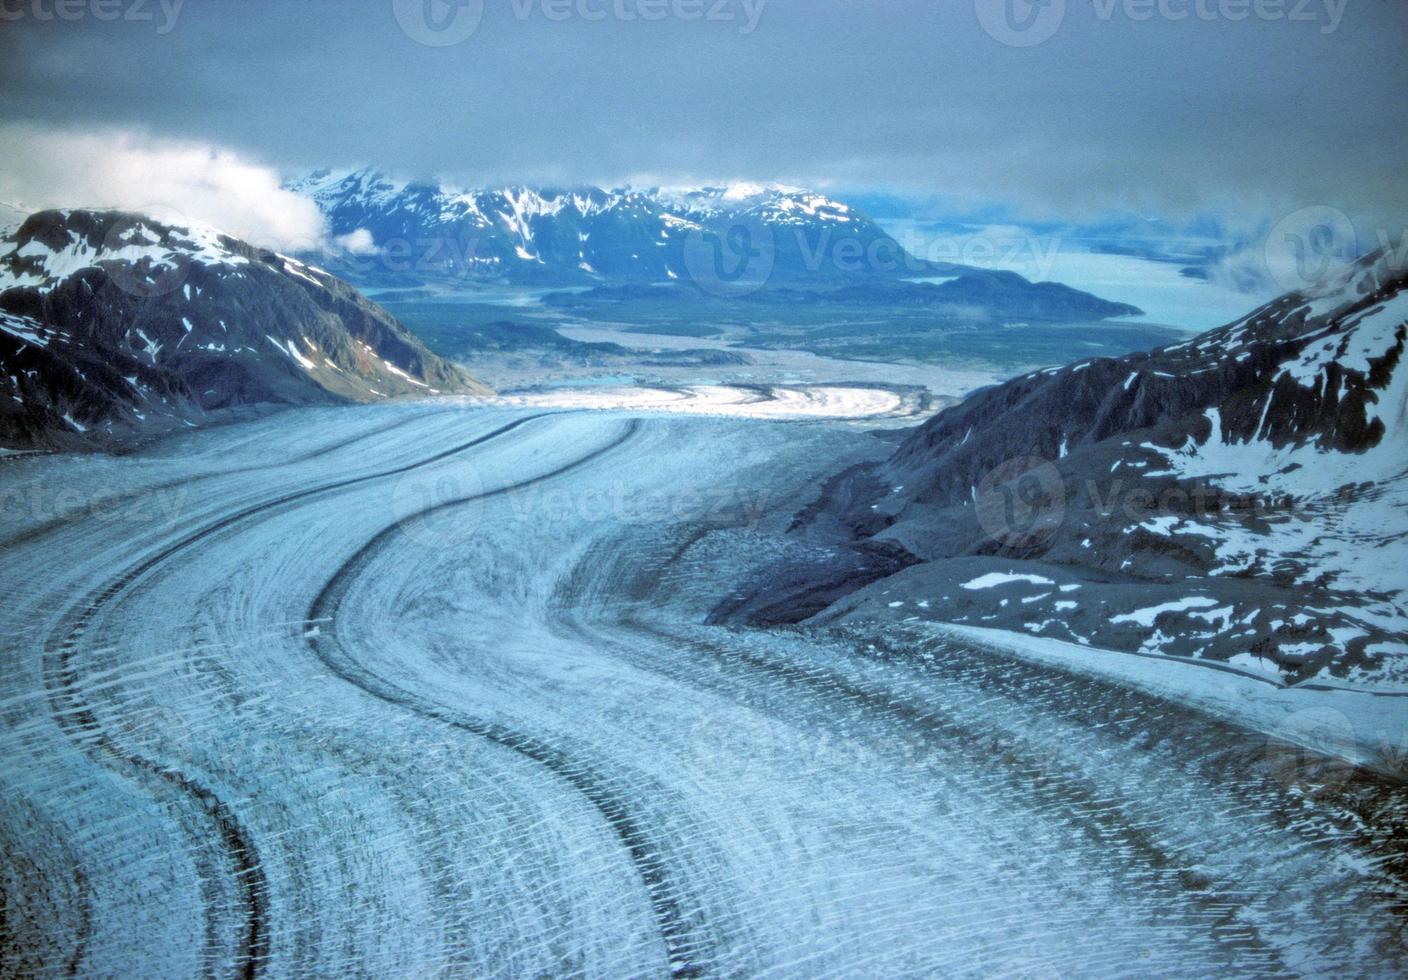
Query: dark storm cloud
[{"x": 1177, "y": 106}]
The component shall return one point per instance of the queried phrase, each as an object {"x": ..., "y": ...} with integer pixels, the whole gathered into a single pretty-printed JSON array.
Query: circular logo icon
[
  {"x": 438, "y": 23},
  {"x": 148, "y": 254},
  {"x": 438, "y": 503},
  {"x": 1020, "y": 23},
  {"x": 1307, "y": 751},
  {"x": 733, "y": 260},
  {"x": 1311, "y": 247},
  {"x": 1021, "y": 503},
  {"x": 738, "y": 745}
]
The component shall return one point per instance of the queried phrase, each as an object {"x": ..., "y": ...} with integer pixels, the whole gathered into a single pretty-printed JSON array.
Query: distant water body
[{"x": 1158, "y": 288}]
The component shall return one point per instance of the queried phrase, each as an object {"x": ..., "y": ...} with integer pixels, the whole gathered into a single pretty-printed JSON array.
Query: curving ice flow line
[
  {"x": 599, "y": 790},
  {"x": 77, "y": 719},
  {"x": 50, "y": 526}
]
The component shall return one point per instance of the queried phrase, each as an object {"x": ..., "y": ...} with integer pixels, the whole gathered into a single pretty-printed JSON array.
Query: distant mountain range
[
  {"x": 425, "y": 231},
  {"x": 112, "y": 323},
  {"x": 1238, "y": 497},
  {"x": 764, "y": 242}
]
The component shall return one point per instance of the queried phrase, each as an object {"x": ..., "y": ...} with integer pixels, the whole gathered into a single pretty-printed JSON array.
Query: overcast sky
[{"x": 1225, "y": 110}]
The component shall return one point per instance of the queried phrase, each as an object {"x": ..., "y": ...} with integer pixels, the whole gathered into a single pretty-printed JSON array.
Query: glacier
[{"x": 428, "y": 688}]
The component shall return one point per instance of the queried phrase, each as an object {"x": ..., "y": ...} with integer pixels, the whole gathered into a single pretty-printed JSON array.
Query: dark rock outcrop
[
  {"x": 1239, "y": 495},
  {"x": 115, "y": 323}
]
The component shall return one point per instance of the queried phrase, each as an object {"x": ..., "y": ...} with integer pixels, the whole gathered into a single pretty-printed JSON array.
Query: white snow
[
  {"x": 1375, "y": 726},
  {"x": 402, "y": 374},
  {"x": 23, "y": 327},
  {"x": 291, "y": 349},
  {"x": 783, "y": 402},
  {"x": 1146, "y": 617},
  {"x": 993, "y": 579},
  {"x": 507, "y": 746},
  {"x": 193, "y": 242}
]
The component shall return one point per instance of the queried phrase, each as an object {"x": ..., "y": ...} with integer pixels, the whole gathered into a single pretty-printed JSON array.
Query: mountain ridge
[
  {"x": 1230, "y": 497},
  {"x": 113, "y": 323},
  {"x": 585, "y": 235}
]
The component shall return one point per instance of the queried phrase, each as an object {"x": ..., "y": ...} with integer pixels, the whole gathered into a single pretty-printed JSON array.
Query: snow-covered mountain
[
  {"x": 427, "y": 231},
  {"x": 1240, "y": 497},
  {"x": 112, "y": 322}
]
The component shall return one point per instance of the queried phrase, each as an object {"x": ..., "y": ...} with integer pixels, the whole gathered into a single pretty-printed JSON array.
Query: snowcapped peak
[
  {"x": 366, "y": 185},
  {"x": 558, "y": 233},
  {"x": 743, "y": 191},
  {"x": 52, "y": 246}
]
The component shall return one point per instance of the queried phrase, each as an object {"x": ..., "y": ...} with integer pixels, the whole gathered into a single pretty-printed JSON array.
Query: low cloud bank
[{"x": 173, "y": 181}]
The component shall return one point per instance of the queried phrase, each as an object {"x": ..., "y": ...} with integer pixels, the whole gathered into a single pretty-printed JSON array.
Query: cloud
[
  {"x": 358, "y": 242},
  {"x": 1117, "y": 112},
  {"x": 45, "y": 167}
]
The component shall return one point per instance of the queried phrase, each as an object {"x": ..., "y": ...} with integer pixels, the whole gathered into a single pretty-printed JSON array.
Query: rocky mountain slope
[
  {"x": 1239, "y": 497},
  {"x": 429, "y": 232},
  {"x": 111, "y": 323}
]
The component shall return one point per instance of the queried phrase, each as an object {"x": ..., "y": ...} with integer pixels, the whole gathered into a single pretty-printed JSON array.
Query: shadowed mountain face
[
  {"x": 111, "y": 323},
  {"x": 1239, "y": 491}
]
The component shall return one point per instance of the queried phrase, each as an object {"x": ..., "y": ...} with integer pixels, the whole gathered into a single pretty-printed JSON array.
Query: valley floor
[{"x": 423, "y": 690}]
